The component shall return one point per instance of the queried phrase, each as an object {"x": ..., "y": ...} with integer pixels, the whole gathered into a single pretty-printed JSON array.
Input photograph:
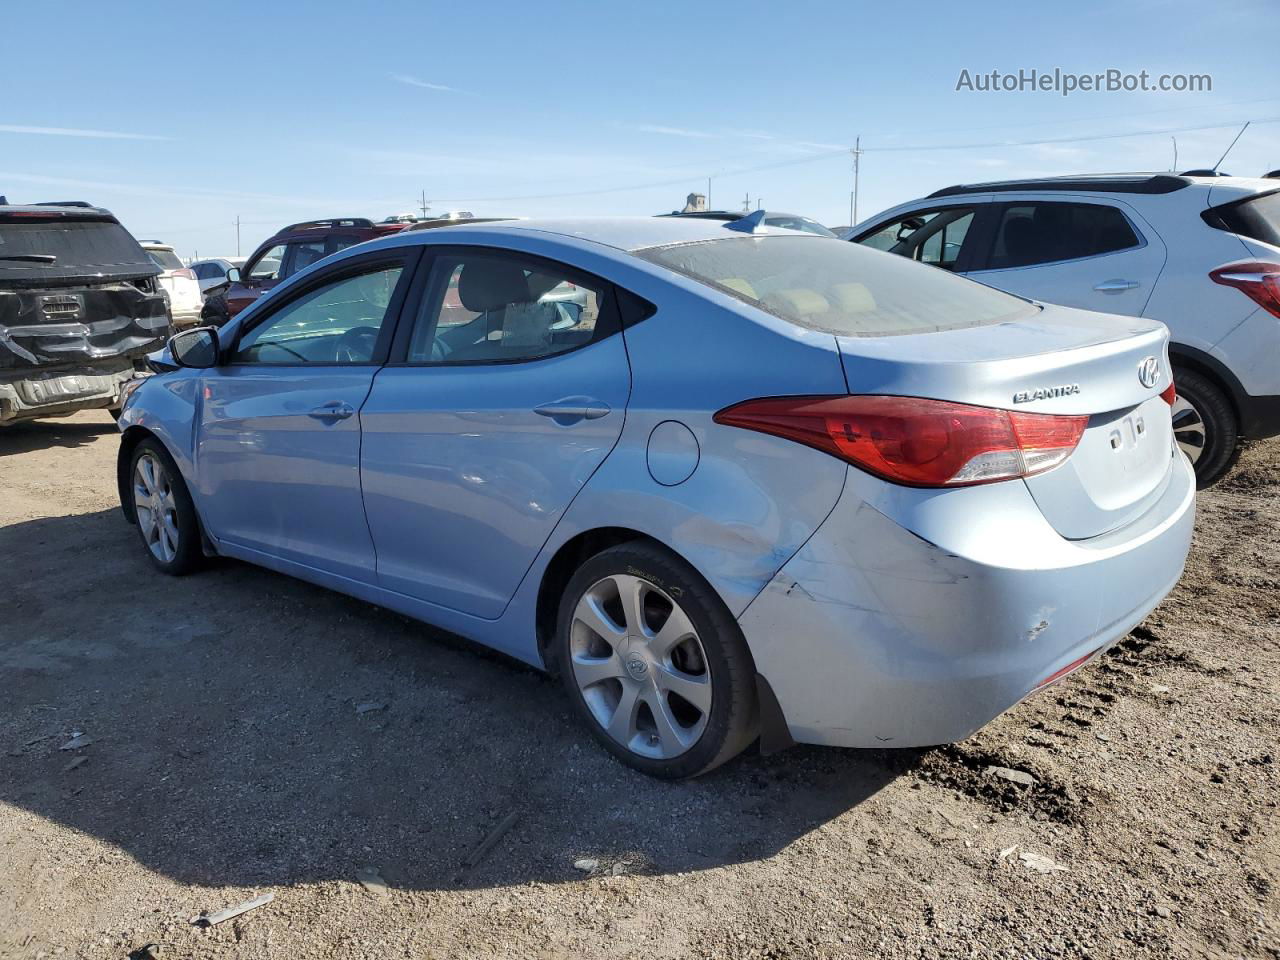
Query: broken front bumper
[{"x": 919, "y": 630}]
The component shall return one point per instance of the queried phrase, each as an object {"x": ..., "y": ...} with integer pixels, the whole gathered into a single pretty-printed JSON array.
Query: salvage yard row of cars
[{"x": 732, "y": 479}]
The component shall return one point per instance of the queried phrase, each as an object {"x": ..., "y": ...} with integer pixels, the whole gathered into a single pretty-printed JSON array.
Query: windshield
[
  {"x": 838, "y": 287},
  {"x": 79, "y": 248}
]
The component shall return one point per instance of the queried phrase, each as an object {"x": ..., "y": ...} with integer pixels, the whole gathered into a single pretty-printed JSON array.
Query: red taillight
[
  {"x": 1258, "y": 281},
  {"x": 917, "y": 442}
]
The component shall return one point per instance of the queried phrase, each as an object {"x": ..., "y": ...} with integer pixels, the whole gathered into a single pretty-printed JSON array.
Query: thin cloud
[
  {"x": 672, "y": 131},
  {"x": 73, "y": 132},
  {"x": 422, "y": 84}
]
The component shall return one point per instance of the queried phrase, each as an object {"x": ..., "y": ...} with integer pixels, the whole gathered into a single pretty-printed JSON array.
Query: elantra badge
[
  {"x": 1149, "y": 372},
  {"x": 1046, "y": 393}
]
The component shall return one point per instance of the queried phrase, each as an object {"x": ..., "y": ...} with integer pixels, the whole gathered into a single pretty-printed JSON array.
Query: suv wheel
[
  {"x": 654, "y": 663},
  {"x": 1204, "y": 425}
]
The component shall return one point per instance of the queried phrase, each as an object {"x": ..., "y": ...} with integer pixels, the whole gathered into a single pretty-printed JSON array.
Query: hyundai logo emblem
[{"x": 1149, "y": 372}]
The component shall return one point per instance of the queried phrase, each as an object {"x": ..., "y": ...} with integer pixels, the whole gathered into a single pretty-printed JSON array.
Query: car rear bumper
[
  {"x": 920, "y": 629},
  {"x": 51, "y": 393},
  {"x": 186, "y": 318}
]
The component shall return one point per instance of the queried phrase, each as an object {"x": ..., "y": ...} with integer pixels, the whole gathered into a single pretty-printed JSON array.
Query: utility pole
[
  {"x": 709, "y": 206},
  {"x": 853, "y": 197},
  {"x": 759, "y": 202},
  {"x": 237, "y": 234},
  {"x": 426, "y": 205},
  {"x": 746, "y": 203},
  {"x": 1174, "y": 168}
]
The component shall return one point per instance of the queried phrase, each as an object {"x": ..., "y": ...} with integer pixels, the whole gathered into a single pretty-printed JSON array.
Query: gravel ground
[{"x": 224, "y": 756}]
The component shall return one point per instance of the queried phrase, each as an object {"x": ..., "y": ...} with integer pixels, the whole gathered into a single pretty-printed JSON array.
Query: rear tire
[
  {"x": 1205, "y": 426},
  {"x": 654, "y": 663},
  {"x": 163, "y": 511}
]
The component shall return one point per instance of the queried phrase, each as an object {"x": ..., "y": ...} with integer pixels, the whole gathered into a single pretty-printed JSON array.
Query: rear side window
[
  {"x": 40, "y": 248},
  {"x": 488, "y": 308},
  {"x": 1033, "y": 233},
  {"x": 1257, "y": 218},
  {"x": 838, "y": 287}
]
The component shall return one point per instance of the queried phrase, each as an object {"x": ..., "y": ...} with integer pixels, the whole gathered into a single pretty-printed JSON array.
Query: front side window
[
  {"x": 338, "y": 322},
  {"x": 1034, "y": 233},
  {"x": 487, "y": 307},
  {"x": 838, "y": 287},
  {"x": 931, "y": 236},
  {"x": 268, "y": 266}
]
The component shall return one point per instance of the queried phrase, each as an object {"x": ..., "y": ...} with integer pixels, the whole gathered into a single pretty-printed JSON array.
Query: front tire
[
  {"x": 654, "y": 663},
  {"x": 1205, "y": 426},
  {"x": 163, "y": 511}
]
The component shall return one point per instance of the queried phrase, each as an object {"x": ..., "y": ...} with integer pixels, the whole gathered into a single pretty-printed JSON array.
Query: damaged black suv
[{"x": 79, "y": 309}]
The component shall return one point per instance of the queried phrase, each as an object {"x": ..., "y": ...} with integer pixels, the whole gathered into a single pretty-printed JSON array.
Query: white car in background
[
  {"x": 213, "y": 272},
  {"x": 179, "y": 282},
  {"x": 1199, "y": 253}
]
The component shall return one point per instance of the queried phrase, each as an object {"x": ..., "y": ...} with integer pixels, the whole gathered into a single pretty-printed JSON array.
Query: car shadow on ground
[
  {"x": 32, "y": 435},
  {"x": 250, "y": 729}
]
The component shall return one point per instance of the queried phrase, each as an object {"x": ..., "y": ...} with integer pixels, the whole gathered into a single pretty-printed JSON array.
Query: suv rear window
[
  {"x": 839, "y": 288},
  {"x": 166, "y": 259},
  {"x": 1257, "y": 218},
  {"x": 94, "y": 248}
]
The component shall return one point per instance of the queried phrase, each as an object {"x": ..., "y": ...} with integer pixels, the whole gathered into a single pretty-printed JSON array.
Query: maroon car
[{"x": 294, "y": 248}]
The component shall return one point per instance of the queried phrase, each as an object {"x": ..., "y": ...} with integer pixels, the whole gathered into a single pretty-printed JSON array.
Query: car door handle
[
  {"x": 573, "y": 409},
  {"x": 1117, "y": 286},
  {"x": 337, "y": 410}
]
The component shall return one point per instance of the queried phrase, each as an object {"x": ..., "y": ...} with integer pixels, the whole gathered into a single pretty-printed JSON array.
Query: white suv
[
  {"x": 1201, "y": 254},
  {"x": 179, "y": 282}
]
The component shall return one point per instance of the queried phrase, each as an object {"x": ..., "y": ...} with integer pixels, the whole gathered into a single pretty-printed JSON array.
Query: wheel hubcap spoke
[
  {"x": 156, "y": 510},
  {"x": 649, "y": 690},
  {"x": 1189, "y": 429}
]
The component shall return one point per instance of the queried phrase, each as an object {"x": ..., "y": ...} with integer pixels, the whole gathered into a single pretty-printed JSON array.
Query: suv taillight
[
  {"x": 914, "y": 441},
  {"x": 186, "y": 273},
  {"x": 1259, "y": 281}
]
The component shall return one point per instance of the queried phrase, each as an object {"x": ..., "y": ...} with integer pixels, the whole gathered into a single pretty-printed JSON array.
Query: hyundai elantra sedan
[{"x": 731, "y": 482}]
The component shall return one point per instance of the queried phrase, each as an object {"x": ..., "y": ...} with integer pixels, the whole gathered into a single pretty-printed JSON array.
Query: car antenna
[
  {"x": 1233, "y": 143},
  {"x": 751, "y": 223}
]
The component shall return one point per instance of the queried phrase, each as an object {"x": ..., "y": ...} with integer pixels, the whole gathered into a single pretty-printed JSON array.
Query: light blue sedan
[{"x": 732, "y": 482}]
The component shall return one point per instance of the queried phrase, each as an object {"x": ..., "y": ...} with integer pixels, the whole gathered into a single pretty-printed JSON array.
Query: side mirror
[
  {"x": 196, "y": 348},
  {"x": 233, "y": 275}
]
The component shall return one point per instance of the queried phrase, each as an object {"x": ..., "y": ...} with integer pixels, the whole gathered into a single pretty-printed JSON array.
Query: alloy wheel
[
  {"x": 640, "y": 666},
  {"x": 1188, "y": 428},
  {"x": 156, "y": 509}
]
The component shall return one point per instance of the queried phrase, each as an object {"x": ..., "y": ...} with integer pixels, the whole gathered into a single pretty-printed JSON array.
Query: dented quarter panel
[{"x": 961, "y": 599}]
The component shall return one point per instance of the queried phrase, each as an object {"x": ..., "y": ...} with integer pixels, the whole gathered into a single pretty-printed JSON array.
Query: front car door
[
  {"x": 939, "y": 236},
  {"x": 1095, "y": 254},
  {"x": 263, "y": 271},
  {"x": 508, "y": 391},
  {"x": 278, "y": 444}
]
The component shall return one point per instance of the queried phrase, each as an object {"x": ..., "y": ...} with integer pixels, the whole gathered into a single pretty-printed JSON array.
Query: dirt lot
[{"x": 227, "y": 759}]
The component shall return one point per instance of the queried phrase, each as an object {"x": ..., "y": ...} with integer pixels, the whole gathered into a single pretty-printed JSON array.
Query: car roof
[
  {"x": 622, "y": 233},
  {"x": 72, "y": 208},
  {"x": 154, "y": 245},
  {"x": 1112, "y": 183}
]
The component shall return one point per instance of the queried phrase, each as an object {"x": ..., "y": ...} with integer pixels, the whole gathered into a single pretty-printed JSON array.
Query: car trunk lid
[{"x": 1057, "y": 361}]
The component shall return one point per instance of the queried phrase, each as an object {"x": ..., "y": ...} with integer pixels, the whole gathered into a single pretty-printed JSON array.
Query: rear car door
[
  {"x": 509, "y": 391},
  {"x": 278, "y": 443},
  {"x": 1096, "y": 255}
]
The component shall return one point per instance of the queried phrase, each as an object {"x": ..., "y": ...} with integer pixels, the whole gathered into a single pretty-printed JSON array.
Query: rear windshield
[
  {"x": 839, "y": 287},
  {"x": 1257, "y": 218},
  {"x": 80, "y": 249},
  {"x": 166, "y": 259}
]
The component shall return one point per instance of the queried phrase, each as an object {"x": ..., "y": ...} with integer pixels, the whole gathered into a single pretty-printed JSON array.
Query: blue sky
[{"x": 181, "y": 118}]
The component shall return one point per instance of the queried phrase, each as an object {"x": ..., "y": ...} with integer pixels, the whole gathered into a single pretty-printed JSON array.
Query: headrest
[{"x": 491, "y": 284}]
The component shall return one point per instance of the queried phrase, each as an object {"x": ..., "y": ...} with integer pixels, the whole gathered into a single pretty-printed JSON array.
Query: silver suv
[{"x": 1200, "y": 254}]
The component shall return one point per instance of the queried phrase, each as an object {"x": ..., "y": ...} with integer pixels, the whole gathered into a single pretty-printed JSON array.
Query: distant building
[{"x": 695, "y": 203}]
